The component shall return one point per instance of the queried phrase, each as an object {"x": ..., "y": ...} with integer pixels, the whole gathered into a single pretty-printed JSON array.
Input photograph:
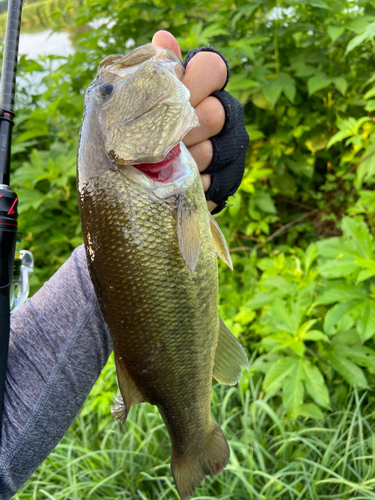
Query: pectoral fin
[
  {"x": 220, "y": 243},
  {"x": 189, "y": 240},
  {"x": 229, "y": 357},
  {"x": 131, "y": 395}
]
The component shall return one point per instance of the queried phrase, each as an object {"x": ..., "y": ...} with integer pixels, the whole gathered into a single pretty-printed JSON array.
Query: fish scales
[
  {"x": 182, "y": 329},
  {"x": 152, "y": 254}
]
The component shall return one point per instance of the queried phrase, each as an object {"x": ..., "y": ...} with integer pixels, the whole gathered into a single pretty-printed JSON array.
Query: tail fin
[{"x": 209, "y": 461}]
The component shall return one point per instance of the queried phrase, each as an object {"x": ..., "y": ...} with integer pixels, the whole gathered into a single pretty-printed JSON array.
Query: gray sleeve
[{"x": 59, "y": 345}]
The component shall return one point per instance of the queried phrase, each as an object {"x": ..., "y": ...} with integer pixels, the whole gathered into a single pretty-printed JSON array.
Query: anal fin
[
  {"x": 229, "y": 357},
  {"x": 220, "y": 243},
  {"x": 131, "y": 395},
  {"x": 188, "y": 235}
]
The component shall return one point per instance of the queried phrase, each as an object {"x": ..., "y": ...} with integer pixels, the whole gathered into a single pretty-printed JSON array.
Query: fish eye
[{"x": 106, "y": 89}]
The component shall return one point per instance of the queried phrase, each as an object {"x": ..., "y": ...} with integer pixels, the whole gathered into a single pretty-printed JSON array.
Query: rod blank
[{"x": 10, "y": 55}]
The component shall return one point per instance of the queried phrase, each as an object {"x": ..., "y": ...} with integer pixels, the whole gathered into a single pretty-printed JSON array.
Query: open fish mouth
[
  {"x": 163, "y": 170},
  {"x": 165, "y": 178}
]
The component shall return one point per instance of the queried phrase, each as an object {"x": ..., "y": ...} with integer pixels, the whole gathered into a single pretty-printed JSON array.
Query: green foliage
[
  {"x": 300, "y": 229},
  {"x": 39, "y": 15},
  {"x": 271, "y": 458},
  {"x": 310, "y": 315},
  {"x": 307, "y": 104}
]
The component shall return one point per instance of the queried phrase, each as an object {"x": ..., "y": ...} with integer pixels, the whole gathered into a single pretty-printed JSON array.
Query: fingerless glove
[{"x": 229, "y": 146}]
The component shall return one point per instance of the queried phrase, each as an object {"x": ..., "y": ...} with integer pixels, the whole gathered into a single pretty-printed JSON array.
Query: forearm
[{"x": 59, "y": 345}]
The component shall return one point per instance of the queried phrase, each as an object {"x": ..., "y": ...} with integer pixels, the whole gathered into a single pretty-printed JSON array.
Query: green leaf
[
  {"x": 260, "y": 100},
  {"x": 259, "y": 300},
  {"x": 320, "y": 4},
  {"x": 293, "y": 390},
  {"x": 336, "y": 248},
  {"x": 316, "y": 83},
  {"x": 272, "y": 90},
  {"x": 310, "y": 410},
  {"x": 310, "y": 255},
  {"x": 368, "y": 34},
  {"x": 341, "y": 84},
  {"x": 337, "y": 268},
  {"x": 370, "y": 106},
  {"x": 342, "y": 293},
  {"x": 305, "y": 70},
  {"x": 201, "y": 35},
  {"x": 338, "y": 137},
  {"x": 287, "y": 85},
  {"x": 281, "y": 316},
  {"x": 234, "y": 204},
  {"x": 361, "y": 355},
  {"x": 358, "y": 24},
  {"x": 366, "y": 169},
  {"x": 265, "y": 203},
  {"x": 278, "y": 372},
  {"x": 364, "y": 275},
  {"x": 370, "y": 93},
  {"x": 334, "y": 32},
  {"x": 37, "y": 131},
  {"x": 317, "y": 143},
  {"x": 315, "y": 335},
  {"x": 283, "y": 340},
  {"x": 264, "y": 363},
  {"x": 315, "y": 385},
  {"x": 254, "y": 133},
  {"x": 366, "y": 319},
  {"x": 30, "y": 199},
  {"x": 349, "y": 371},
  {"x": 357, "y": 231},
  {"x": 305, "y": 327},
  {"x": 349, "y": 337},
  {"x": 336, "y": 313}
]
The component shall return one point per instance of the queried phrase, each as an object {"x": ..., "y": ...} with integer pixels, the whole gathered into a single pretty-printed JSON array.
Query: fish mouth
[
  {"x": 167, "y": 178},
  {"x": 161, "y": 171}
]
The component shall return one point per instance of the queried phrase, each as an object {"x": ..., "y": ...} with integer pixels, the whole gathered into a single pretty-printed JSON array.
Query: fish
[{"x": 152, "y": 248}]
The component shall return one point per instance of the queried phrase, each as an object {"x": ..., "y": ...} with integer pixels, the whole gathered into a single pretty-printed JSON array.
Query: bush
[{"x": 300, "y": 230}]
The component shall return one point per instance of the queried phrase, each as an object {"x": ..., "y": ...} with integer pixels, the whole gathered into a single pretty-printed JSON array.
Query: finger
[
  {"x": 202, "y": 154},
  {"x": 211, "y": 205},
  {"x": 206, "y": 181},
  {"x": 211, "y": 116},
  {"x": 167, "y": 41},
  {"x": 205, "y": 73}
]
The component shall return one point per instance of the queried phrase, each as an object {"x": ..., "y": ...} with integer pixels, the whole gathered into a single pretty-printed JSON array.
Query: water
[
  {"x": 45, "y": 43},
  {"x": 38, "y": 44}
]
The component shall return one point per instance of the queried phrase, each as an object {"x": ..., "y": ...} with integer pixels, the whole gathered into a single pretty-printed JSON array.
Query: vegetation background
[{"x": 301, "y": 232}]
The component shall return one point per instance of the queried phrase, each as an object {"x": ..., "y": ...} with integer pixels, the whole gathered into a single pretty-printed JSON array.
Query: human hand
[{"x": 206, "y": 73}]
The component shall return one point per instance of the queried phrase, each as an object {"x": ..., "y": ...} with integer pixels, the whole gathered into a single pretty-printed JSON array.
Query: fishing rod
[{"x": 8, "y": 199}]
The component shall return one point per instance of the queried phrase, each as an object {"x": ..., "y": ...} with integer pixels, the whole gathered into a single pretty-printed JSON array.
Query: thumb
[{"x": 167, "y": 41}]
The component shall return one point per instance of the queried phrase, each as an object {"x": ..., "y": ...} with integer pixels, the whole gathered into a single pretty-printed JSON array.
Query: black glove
[{"x": 229, "y": 146}]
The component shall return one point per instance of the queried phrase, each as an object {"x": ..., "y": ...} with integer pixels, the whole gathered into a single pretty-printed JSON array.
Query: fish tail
[{"x": 190, "y": 471}]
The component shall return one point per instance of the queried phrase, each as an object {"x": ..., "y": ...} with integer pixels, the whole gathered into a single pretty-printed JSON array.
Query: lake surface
[{"x": 45, "y": 43}]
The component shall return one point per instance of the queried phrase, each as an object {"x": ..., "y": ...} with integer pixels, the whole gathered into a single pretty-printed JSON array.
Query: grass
[{"x": 271, "y": 456}]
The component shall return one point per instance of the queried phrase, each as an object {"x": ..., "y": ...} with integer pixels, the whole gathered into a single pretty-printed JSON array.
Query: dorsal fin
[
  {"x": 229, "y": 357},
  {"x": 220, "y": 243}
]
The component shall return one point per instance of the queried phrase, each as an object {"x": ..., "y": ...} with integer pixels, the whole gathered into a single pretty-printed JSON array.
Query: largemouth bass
[{"x": 152, "y": 251}]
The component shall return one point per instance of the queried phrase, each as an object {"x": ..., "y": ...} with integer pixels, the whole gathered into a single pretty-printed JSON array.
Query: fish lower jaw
[
  {"x": 181, "y": 174},
  {"x": 161, "y": 171}
]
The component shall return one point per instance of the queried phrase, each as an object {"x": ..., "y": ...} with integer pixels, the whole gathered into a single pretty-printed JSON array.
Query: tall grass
[{"x": 271, "y": 456}]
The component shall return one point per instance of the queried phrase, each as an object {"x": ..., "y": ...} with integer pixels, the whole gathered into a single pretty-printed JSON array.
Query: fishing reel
[
  {"x": 23, "y": 268},
  {"x": 16, "y": 265}
]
